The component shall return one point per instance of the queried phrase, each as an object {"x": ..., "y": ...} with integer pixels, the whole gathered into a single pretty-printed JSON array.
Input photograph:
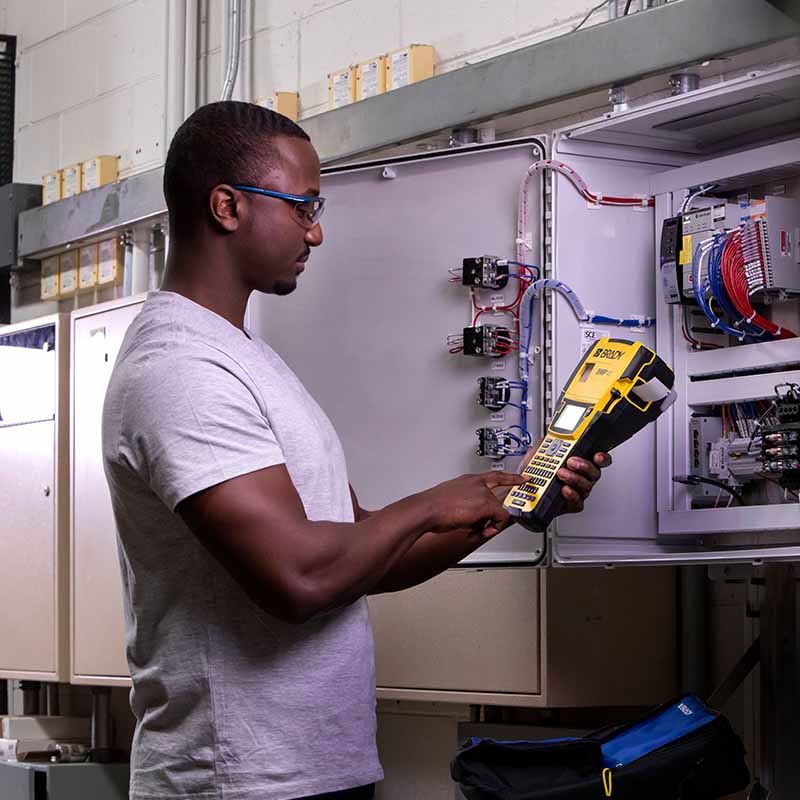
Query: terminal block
[
  {"x": 787, "y": 402},
  {"x": 493, "y": 393},
  {"x": 780, "y": 451},
  {"x": 485, "y": 272},
  {"x": 487, "y": 340},
  {"x": 492, "y": 443}
]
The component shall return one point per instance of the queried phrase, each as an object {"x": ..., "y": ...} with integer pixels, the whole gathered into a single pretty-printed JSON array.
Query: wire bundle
[
  {"x": 734, "y": 269},
  {"x": 596, "y": 198}
]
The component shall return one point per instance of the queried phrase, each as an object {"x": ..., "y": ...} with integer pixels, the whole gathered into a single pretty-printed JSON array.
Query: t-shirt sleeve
[{"x": 192, "y": 422}]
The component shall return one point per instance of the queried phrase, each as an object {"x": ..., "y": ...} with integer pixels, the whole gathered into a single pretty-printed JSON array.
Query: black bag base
[{"x": 705, "y": 764}]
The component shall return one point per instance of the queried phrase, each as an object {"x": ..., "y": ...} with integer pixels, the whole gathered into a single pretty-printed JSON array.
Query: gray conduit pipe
[
  {"x": 234, "y": 41},
  {"x": 190, "y": 58}
]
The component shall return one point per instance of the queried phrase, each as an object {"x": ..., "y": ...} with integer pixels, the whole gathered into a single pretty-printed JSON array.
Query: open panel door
[{"x": 367, "y": 328}]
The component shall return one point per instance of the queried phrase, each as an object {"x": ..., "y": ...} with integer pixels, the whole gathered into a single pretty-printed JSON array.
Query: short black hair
[{"x": 222, "y": 142}]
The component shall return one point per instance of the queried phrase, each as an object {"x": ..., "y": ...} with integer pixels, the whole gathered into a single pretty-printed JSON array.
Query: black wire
[
  {"x": 693, "y": 480},
  {"x": 591, "y": 11},
  {"x": 627, "y": 8}
]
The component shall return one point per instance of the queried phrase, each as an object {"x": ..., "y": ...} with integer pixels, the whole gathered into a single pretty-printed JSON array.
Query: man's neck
[{"x": 204, "y": 281}]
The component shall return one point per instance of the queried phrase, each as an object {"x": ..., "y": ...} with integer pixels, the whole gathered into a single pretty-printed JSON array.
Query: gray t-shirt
[{"x": 231, "y": 702}]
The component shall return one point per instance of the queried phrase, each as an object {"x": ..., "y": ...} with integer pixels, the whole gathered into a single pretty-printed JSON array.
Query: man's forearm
[{"x": 431, "y": 554}]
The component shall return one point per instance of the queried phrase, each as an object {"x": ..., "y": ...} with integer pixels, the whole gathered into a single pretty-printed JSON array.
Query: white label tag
[
  {"x": 499, "y": 466},
  {"x": 107, "y": 261},
  {"x": 341, "y": 89},
  {"x": 498, "y": 416},
  {"x": 400, "y": 74},
  {"x": 52, "y": 188},
  {"x": 370, "y": 73},
  {"x": 589, "y": 335},
  {"x": 497, "y": 299},
  {"x": 90, "y": 175},
  {"x": 72, "y": 181},
  {"x": 498, "y": 364}
]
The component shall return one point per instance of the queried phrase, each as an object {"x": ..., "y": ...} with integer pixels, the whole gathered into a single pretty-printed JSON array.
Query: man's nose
[{"x": 314, "y": 237}]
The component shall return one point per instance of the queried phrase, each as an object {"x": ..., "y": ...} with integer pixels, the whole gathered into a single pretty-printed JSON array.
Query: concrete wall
[{"x": 93, "y": 75}]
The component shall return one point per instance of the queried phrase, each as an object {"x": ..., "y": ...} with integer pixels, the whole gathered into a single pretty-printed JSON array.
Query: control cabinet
[
  {"x": 717, "y": 479},
  {"x": 34, "y": 496},
  {"x": 97, "y": 625}
]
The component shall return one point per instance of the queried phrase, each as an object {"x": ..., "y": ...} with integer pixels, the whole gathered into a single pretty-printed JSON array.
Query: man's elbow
[{"x": 300, "y": 601}]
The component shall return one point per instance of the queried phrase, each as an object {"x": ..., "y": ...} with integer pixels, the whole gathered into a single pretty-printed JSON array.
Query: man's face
[{"x": 276, "y": 243}]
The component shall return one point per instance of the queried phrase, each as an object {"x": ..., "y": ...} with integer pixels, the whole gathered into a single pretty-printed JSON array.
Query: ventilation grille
[{"x": 8, "y": 56}]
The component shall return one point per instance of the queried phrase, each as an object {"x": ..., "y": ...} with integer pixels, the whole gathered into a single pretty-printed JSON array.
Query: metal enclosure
[
  {"x": 34, "y": 497},
  {"x": 14, "y": 199},
  {"x": 379, "y": 308},
  {"x": 32, "y": 781},
  {"x": 97, "y": 624},
  {"x": 675, "y": 533}
]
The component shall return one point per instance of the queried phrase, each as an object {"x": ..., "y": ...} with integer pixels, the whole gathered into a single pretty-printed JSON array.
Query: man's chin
[{"x": 284, "y": 287}]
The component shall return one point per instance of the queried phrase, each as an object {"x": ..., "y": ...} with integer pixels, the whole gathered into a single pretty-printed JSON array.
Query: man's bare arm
[
  {"x": 431, "y": 554},
  {"x": 295, "y": 568}
]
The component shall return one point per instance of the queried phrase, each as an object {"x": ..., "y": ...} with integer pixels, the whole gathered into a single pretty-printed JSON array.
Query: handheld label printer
[{"x": 616, "y": 389}]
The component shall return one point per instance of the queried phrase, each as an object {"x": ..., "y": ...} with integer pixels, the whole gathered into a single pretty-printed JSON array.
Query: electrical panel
[
  {"x": 110, "y": 258},
  {"x": 34, "y": 496},
  {"x": 87, "y": 270},
  {"x": 286, "y": 103},
  {"x": 409, "y": 65},
  {"x": 719, "y": 480},
  {"x": 68, "y": 273},
  {"x": 371, "y": 77},
  {"x": 72, "y": 182},
  {"x": 341, "y": 87},
  {"x": 98, "y": 171},
  {"x": 52, "y": 187},
  {"x": 732, "y": 473},
  {"x": 97, "y": 618}
]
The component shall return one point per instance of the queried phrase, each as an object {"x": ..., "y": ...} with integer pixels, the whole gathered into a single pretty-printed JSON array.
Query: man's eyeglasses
[{"x": 308, "y": 208}]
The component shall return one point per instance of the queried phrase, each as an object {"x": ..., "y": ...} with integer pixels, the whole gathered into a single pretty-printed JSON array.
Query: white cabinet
[
  {"x": 34, "y": 592},
  {"x": 98, "y": 633}
]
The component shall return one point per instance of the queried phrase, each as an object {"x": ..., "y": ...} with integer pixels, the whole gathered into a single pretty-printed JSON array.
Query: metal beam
[
  {"x": 91, "y": 214},
  {"x": 614, "y": 52}
]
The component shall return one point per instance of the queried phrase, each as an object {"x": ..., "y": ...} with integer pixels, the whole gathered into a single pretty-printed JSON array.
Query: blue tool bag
[{"x": 683, "y": 750}]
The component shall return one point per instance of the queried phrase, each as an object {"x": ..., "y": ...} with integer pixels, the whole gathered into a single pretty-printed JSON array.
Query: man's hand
[
  {"x": 470, "y": 502},
  {"x": 579, "y": 477}
]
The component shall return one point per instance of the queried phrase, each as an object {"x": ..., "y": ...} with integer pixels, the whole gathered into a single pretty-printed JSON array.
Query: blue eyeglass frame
[{"x": 296, "y": 199}]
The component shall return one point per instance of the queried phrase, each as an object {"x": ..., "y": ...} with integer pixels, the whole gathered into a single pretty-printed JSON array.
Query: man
[{"x": 245, "y": 555}]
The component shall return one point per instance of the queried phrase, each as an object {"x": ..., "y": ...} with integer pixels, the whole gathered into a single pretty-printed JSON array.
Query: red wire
[{"x": 735, "y": 280}]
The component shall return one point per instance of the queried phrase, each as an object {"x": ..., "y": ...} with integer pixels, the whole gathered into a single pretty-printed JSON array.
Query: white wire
[{"x": 689, "y": 197}]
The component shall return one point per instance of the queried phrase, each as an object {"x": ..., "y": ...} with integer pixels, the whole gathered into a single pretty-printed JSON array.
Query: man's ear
[{"x": 224, "y": 207}]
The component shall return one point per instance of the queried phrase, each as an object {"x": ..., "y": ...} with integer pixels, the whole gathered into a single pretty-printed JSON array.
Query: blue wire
[
  {"x": 717, "y": 285},
  {"x": 700, "y": 288},
  {"x": 645, "y": 322},
  {"x": 530, "y": 266}
]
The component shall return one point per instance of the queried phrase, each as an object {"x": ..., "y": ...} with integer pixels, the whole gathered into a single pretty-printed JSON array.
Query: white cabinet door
[
  {"x": 97, "y": 614},
  {"x": 28, "y": 546}
]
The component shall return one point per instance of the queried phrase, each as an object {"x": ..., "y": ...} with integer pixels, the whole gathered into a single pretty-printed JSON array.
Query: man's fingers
[
  {"x": 584, "y": 467},
  {"x": 578, "y": 482},
  {"x": 602, "y": 460},
  {"x": 496, "y": 478},
  {"x": 574, "y": 500}
]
